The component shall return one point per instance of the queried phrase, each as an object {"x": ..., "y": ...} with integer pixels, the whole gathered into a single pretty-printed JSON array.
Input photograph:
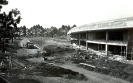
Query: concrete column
[
  {"x": 86, "y": 35},
  {"x": 71, "y": 38},
  {"x": 98, "y": 46},
  {"x": 126, "y": 52},
  {"x": 107, "y": 36},
  {"x": 121, "y": 51},
  {"x": 106, "y": 49},
  {"x": 132, "y": 54},
  {"x": 77, "y": 36},
  {"x": 106, "y": 46},
  {"x": 79, "y": 39},
  {"x": 86, "y": 45},
  {"x": 86, "y": 40}
]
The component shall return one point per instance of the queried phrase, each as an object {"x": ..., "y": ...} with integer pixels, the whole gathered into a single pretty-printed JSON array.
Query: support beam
[
  {"x": 121, "y": 51},
  {"x": 106, "y": 45},
  {"x": 86, "y": 46},
  {"x": 132, "y": 54},
  {"x": 86, "y": 35},
  {"x": 77, "y": 36},
  {"x": 106, "y": 49},
  {"x": 101, "y": 47},
  {"x": 107, "y": 35},
  {"x": 71, "y": 38},
  {"x": 86, "y": 41},
  {"x": 126, "y": 52},
  {"x": 79, "y": 39},
  {"x": 98, "y": 46}
]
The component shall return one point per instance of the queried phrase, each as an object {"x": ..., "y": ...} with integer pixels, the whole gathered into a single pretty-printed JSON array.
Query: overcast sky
[{"x": 69, "y": 12}]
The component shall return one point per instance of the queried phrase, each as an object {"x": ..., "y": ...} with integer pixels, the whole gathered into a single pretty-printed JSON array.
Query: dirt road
[{"x": 94, "y": 77}]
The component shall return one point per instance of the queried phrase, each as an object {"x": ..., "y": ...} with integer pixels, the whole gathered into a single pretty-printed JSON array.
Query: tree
[
  {"x": 3, "y": 2},
  {"x": 74, "y": 26},
  {"x": 37, "y": 30},
  {"x": 8, "y": 25},
  {"x": 53, "y": 31},
  {"x": 23, "y": 30}
]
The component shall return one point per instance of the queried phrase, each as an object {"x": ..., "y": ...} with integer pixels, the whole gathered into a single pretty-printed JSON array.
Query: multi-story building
[{"x": 114, "y": 36}]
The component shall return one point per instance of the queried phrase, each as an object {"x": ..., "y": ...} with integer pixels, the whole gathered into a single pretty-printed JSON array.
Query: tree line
[{"x": 39, "y": 31}]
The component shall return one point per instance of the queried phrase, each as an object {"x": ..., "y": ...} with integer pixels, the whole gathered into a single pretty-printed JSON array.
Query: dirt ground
[
  {"x": 93, "y": 77},
  {"x": 27, "y": 71}
]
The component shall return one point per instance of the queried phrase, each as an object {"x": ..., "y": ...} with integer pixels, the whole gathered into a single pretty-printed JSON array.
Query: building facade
[{"x": 115, "y": 36}]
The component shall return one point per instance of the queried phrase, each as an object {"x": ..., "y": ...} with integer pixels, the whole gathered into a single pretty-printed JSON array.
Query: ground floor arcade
[{"x": 110, "y": 41}]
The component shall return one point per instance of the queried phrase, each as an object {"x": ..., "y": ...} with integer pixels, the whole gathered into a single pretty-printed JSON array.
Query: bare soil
[
  {"x": 27, "y": 71},
  {"x": 93, "y": 77}
]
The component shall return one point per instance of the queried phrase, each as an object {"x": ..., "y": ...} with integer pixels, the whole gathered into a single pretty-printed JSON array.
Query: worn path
[{"x": 93, "y": 76}]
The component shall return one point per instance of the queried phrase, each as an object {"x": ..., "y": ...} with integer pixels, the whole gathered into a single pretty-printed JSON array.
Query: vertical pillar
[
  {"x": 86, "y": 45},
  {"x": 106, "y": 49},
  {"x": 98, "y": 47},
  {"x": 77, "y": 36},
  {"x": 132, "y": 54},
  {"x": 71, "y": 38},
  {"x": 107, "y": 36},
  {"x": 86, "y": 35},
  {"x": 106, "y": 46},
  {"x": 86, "y": 40},
  {"x": 121, "y": 50},
  {"x": 126, "y": 52},
  {"x": 79, "y": 39}
]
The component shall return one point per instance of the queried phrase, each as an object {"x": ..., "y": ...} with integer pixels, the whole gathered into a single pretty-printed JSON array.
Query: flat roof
[{"x": 123, "y": 23}]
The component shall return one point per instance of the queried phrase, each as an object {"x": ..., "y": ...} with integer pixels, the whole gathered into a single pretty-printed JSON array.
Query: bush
[
  {"x": 124, "y": 77},
  {"x": 111, "y": 73},
  {"x": 118, "y": 75},
  {"x": 71, "y": 76},
  {"x": 130, "y": 78},
  {"x": 78, "y": 77},
  {"x": 81, "y": 77},
  {"x": 90, "y": 68},
  {"x": 51, "y": 49},
  {"x": 97, "y": 69},
  {"x": 129, "y": 69},
  {"x": 105, "y": 71}
]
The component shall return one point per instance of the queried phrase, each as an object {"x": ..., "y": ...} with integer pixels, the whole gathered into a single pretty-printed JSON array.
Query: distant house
[{"x": 114, "y": 36}]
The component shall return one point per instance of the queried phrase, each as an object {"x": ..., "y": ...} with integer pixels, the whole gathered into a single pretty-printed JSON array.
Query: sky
[{"x": 56, "y": 13}]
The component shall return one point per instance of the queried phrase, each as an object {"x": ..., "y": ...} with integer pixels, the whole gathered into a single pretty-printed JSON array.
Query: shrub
[
  {"x": 129, "y": 69},
  {"x": 124, "y": 76},
  {"x": 71, "y": 76},
  {"x": 90, "y": 68},
  {"x": 78, "y": 77},
  {"x": 51, "y": 49},
  {"x": 129, "y": 78},
  {"x": 111, "y": 73},
  {"x": 81, "y": 77},
  {"x": 97, "y": 69},
  {"x": 118, "y": 75},
  {"x": 105, "y": 71}
]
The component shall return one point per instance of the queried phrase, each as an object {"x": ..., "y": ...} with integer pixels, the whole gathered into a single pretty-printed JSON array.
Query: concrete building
[{"x": 114, "y": 36}]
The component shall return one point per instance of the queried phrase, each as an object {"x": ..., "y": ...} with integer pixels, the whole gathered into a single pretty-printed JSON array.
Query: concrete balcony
[{"x": 116, "y": 43}]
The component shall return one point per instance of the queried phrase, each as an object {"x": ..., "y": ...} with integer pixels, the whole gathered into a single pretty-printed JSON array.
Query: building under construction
[{"x": 115, "y": 36}]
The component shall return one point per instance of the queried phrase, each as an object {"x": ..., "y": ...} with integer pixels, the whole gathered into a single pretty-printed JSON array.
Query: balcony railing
[{"x": 110, "y": 42}]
